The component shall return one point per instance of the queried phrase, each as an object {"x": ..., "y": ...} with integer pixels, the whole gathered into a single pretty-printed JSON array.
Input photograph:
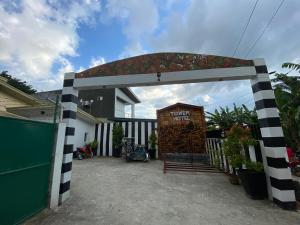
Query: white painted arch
[
  {"x": 179, "y": 77},
  {"x": 276, "y": 168}
]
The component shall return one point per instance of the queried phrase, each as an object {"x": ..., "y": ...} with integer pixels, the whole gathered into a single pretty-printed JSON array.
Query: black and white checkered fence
[{"x": 139, "y": 129}]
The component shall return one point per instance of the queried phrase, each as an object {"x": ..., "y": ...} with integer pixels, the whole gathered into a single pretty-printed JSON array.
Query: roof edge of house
[
  {"x": 81, "y": 112},
  {"x": 26, "y": 97},
  {"x": 180, "y": 104},
  {"x": 130, "y": 94}
]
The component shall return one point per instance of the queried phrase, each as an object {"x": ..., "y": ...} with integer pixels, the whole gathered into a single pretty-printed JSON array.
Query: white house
[{"x": 105, "y": 104}]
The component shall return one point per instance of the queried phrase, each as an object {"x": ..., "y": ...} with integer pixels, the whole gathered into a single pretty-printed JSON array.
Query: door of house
[{"x": 25, "y": 163}]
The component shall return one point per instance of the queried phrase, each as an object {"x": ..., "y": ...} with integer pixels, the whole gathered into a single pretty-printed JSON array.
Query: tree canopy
[
  {"x": 17, "y": 83},
  {"x": 224, "y": 118},
  {"x": 287, "y": 95}
]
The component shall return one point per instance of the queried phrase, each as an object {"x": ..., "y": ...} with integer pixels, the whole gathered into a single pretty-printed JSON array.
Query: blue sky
[{"x": 41, "y": 40}]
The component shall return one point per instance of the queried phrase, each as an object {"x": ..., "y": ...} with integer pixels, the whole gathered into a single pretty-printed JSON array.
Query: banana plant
[
  {"x": 224, "y": 118},
  {"x": 287, "y": 94}
]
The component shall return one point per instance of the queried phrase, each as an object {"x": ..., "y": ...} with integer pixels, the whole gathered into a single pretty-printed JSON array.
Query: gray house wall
[
  {"x": 106, "y": 108},
  {"x": 98, "y": 109}
]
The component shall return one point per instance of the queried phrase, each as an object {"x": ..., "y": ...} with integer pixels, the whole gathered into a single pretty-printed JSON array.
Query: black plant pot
[
  {"x": 94, "y": 151},
  {"x": 117, "y": 152},
  {"x": 152, "y": 153},
  {"x": 254, "y": 183},
  {"x": 233, "y": 179}
]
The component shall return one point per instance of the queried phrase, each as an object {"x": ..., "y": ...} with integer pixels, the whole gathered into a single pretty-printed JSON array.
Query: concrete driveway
[{"x": 110, "y": 191}]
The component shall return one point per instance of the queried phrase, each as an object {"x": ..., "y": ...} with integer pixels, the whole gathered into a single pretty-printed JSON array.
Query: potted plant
[
  {"x": 254, "y": 180},
  {"x": 118, "y": 135},
  {"x": 237, "y": 138},
  {"x": 236, "y": 161},
  {"x": 94, "y": 146},
  {"x": 153, "y": 142}
]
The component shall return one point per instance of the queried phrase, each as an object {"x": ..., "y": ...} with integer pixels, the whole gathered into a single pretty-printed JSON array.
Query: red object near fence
[
  {"x": 293, "y": 161},
  {"x": 290, "y": 153}
]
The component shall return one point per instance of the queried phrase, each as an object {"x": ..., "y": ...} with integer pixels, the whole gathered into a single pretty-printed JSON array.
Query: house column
[
  {"x": 133, "y": 111},
  {"x": 69, "y": 105},
  {"x": 278, "y": 174}
]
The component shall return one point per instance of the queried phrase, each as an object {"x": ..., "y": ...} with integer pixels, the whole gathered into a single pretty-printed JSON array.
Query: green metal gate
[{"x": 25, "y": 163}]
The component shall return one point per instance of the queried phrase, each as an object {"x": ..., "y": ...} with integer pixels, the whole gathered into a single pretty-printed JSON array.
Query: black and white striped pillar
[
  {"x": 280, "y": 180},
  {"x": 69, "y": 105}
]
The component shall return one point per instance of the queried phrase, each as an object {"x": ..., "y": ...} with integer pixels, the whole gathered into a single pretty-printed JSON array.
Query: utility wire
[
  {"x": 265, "y": 28},
  {"x": 244, "y": 31}
]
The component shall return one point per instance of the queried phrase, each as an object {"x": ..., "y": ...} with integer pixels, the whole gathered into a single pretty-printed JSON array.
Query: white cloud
[
  {"x": 96, "y": 61},
  {"x": 206, "y": 98},
  {"x": 170, "y": 3},
  {"x": 55, "y": 81},
  {"x": 214, "y": 27},
  {"x": 133, "y": 49},
  {"x": 37, "y": 35},
  {"x": 139, "y": 19},
  {"x": 216, "y": 94},
  {"x": 66, "y": 66}
]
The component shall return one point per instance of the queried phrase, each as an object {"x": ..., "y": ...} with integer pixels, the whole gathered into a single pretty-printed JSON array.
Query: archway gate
[{"x": 176, "y": 68}]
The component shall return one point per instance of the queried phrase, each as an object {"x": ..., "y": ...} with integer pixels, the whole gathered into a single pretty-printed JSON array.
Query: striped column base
[
  {"x": 285, "y": 205},
  {"x": 63, "y": 197}
]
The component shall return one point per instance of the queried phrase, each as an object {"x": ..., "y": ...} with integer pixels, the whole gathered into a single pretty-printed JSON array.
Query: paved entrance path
[{"x": 111, "y": 191}]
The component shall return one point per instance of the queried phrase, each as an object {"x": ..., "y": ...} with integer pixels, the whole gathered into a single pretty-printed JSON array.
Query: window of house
[{"x": 86, "y": 136}]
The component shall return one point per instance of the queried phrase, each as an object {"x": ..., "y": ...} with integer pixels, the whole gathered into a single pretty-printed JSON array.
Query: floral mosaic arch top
[{"x": 163, "y": 62}]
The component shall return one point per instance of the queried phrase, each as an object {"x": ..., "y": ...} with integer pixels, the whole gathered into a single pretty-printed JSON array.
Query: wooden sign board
[{"x": 181, "y": 129}]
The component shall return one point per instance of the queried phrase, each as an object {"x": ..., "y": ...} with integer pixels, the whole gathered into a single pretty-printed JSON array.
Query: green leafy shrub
[
  {"x": 94, "y": 144},
  {"x": 118, "y": 135},
  {"x": 254, "y": 166},
  {"x": 287, "y": 96},
  {"x": 152, "y": 140},
  {"x": 237, "y": 138}
]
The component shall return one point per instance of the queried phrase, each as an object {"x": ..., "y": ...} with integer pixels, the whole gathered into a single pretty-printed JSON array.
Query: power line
[
  {"x": 244, "y": 31},
  {"x": 265, "y": 28}
]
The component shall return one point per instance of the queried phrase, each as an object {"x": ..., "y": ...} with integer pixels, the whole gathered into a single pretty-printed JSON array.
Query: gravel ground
[{"x": 111, "y": 191}]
